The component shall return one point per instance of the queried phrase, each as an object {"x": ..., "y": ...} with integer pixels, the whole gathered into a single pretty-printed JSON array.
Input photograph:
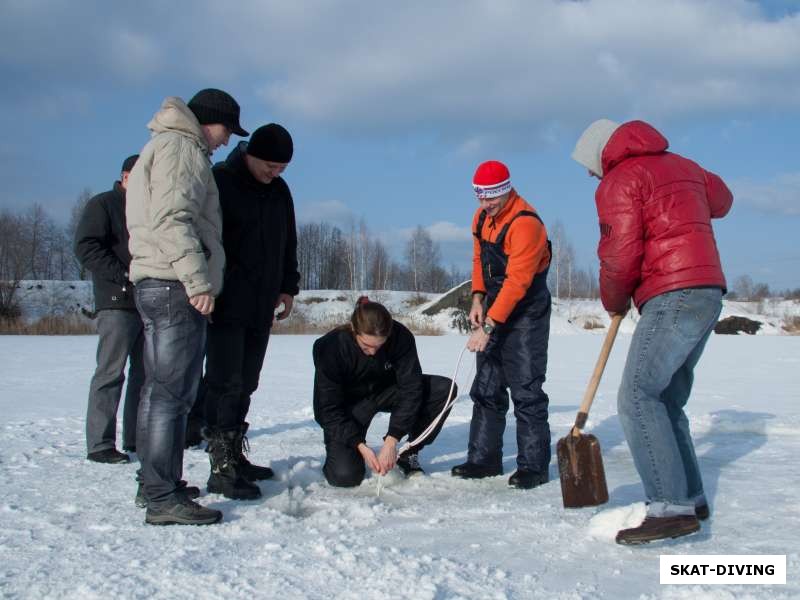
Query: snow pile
[{"x": 605, "y": 524}]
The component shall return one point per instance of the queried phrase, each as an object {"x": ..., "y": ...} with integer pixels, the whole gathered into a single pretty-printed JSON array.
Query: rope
[{"x": 448, "y": 405}]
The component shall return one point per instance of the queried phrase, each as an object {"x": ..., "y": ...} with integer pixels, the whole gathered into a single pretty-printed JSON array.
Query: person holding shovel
[
  {"x": 510, "y": 317},
  {"x": 658, "y": 249},
  {"x": 365, "y": 367}
]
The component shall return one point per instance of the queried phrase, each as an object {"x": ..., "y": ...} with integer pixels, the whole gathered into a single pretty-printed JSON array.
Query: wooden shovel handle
[{"x": 594, "y": 382}]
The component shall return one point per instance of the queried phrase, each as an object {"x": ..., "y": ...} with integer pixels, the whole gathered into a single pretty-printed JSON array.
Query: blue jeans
[
  {"x": 669, "y": 340},
  {"x": 174, "y": 342}
]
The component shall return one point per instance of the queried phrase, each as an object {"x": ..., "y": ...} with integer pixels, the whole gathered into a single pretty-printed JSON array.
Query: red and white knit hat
[{"x": 491, "y": 179}]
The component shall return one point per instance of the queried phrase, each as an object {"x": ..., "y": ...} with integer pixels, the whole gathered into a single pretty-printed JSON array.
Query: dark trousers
[
  {"x": 515, "y": 359},
  {"x": 344, "y": 465},
  {"x": 174, "y": 339},
  {"x": 234, "y": 357},
  {"x": 120, "y": 338}
]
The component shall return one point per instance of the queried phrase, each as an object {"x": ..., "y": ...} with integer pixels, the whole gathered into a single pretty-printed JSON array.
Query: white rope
[{"x": 451, "y": 399}]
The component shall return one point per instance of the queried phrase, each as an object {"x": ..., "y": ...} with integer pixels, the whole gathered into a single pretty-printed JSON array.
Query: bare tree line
[
  {"x": 565, "y": 278},
  {"x": 34, "y": 246},
  {"x": 355, "y": 259}
]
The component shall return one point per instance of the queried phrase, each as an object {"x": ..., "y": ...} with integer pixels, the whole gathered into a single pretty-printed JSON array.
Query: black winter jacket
[
  {"x": 101, "y": 246},
  {"x": 260, "y": 239},
  {"x": 344, "y": 375}
]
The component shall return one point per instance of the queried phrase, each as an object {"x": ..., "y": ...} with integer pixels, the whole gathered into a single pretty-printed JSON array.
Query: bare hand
[
  {"x": 369, "y": 457},
  {"x": 288, "y": 302},
  {"x": 476, "y": 312},
  {"x": 203, "y": 303},
  {"x": 478, "y": 340},
  {"x": 387, "y": 457}
]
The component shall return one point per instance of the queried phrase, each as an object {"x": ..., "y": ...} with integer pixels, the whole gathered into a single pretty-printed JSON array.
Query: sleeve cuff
[{"x": 395, "y": 433}]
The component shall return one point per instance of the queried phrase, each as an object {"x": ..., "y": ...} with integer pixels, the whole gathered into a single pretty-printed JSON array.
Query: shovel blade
[{"x": 580, "y": 467}]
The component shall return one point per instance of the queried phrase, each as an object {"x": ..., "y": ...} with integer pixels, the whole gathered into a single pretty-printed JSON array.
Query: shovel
[{"x": 580, "y": 463}]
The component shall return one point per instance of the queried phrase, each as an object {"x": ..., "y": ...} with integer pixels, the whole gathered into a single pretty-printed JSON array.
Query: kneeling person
[{"x": 365, "y": 367}]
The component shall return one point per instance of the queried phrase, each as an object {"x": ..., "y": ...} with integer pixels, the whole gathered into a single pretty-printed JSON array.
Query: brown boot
[{"x": 659, "y": 528}]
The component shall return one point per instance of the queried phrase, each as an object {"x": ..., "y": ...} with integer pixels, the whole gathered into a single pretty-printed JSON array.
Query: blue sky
[{"x": 393, "y": 105}]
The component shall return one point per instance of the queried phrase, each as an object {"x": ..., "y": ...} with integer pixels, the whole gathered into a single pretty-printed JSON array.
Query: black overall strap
[
  {"x": 523, "y": 213},
  {"x": 479, "y": 228},
  {"x": 501, "y": 237}
]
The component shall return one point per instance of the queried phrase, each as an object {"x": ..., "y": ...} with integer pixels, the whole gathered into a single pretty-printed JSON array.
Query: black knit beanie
[
  {"x": 271, "y": 142},
  {"x": 212, "y": 106},
  {"x": 127, "y": 164}
]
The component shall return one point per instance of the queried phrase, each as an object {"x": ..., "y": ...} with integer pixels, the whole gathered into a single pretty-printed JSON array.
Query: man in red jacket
[{"x": 657, "y": 247}]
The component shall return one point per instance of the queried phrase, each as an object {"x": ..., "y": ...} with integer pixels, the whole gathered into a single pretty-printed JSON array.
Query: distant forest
[{"x": 34, "y": 246}]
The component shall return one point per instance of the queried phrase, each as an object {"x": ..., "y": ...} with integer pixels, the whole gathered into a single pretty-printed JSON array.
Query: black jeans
[
  {"x": 234, "y": 357},
  {"x": 174, "y": 339},
  {"x": 344, "y": 466}
]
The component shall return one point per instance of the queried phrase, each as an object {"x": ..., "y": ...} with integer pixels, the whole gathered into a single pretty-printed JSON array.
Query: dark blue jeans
[
  {"x": 666, "y": 346},
  {"x": 174, "y": 340}
]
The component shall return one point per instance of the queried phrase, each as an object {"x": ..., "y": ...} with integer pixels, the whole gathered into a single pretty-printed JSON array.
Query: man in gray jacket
[{"x": 175, "y": 226}]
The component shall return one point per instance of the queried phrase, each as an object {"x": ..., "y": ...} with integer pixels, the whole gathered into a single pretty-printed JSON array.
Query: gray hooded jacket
[{"x": 173, "y": 212}]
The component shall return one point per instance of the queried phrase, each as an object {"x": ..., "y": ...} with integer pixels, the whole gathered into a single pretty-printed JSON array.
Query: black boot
[
  {"x": 226, "y": 475},
  {"x": 524, "y": 479},
  {"x": 470, "y": 470},
  {"x": 408, "y": 463},
  {"x": 250, "y": 471}
]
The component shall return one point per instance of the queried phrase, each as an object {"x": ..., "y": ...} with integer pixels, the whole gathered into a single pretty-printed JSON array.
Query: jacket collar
[{"x": 236, "y": 163}]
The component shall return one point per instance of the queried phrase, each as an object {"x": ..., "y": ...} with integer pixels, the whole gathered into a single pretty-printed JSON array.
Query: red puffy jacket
[{"x": 655, "y": 212}]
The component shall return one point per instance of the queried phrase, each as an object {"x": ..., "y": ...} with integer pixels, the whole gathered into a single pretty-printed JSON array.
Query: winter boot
[
  {"x": 250, "y": 471},
  {"x": 182, "y": 512},
  {"x": 470, "y": 470},
  {"x": 659, "y": 528},
  {"x": 226, "y": 475},
  {"x": 523, "y": 479},
  {"x": 408, "y": 463},
  {"x": 110, "y": 456}
]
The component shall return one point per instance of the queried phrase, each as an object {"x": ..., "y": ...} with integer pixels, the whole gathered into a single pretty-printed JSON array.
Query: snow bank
[{"x": 328, "y": 307}]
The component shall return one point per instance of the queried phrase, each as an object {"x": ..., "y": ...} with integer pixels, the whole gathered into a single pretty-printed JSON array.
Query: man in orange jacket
[{"x": 510, "y": 317}]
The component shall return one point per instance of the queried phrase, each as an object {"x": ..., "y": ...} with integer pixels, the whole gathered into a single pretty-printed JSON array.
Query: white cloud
[
  {"x": 781, "y": 195},
  {"x": 444, "y": 231},
  {"x": 466, "y": 70},
  {"x": 441, "y": 231},
  {"x": 331, "y": 211}
]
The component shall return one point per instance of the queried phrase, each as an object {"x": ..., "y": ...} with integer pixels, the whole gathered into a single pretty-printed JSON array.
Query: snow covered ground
[{"x": 69, "y": 528}]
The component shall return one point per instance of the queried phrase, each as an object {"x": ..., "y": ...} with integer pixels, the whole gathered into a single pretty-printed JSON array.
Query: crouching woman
[{"x": 365, "y": 367}]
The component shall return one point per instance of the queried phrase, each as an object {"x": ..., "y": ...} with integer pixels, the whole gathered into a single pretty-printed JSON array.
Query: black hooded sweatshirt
[{"x": 345, "y": 376}]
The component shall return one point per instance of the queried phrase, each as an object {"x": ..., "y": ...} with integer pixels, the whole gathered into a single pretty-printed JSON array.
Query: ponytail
[{"x": 371, "y": 318}]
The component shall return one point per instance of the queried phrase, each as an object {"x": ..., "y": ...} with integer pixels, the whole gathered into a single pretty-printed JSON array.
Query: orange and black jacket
[{"x": 526, "y": 247}]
